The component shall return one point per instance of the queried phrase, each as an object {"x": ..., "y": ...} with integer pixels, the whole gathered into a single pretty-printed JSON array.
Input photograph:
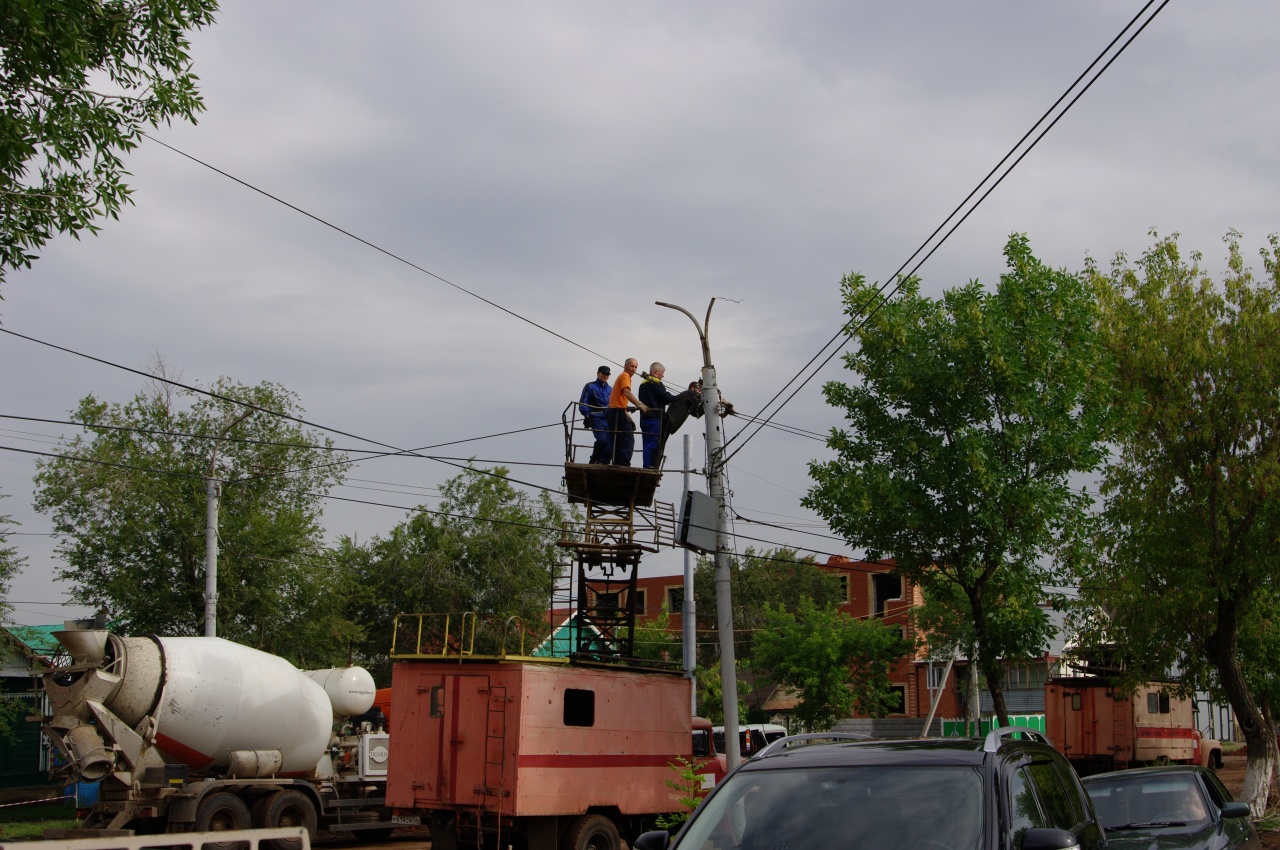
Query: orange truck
[
  {"x": 1099, "y": 728},
  {"x": 550, "y": 756}
]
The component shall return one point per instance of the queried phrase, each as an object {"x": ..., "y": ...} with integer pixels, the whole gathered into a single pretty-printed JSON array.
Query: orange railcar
[
  {"x": 1099, "y": 728},
  {"x": 562, "y": 756}
]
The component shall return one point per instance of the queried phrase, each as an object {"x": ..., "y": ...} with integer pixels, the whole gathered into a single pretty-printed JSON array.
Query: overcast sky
[{"x": 576, "y": 161}]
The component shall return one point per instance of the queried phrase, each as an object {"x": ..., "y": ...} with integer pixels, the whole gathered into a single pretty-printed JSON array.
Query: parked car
[
  {"x": 1008, "y": 791},
  {"x": 752, "y": 738},
  {"x": 1180, "y": 806}
]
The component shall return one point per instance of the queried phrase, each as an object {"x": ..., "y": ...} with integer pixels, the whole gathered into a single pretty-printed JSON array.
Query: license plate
[{"x": 412, "y": 820}]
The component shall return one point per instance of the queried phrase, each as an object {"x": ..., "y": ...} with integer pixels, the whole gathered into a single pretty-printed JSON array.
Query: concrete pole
[
  {"x": 688, "y": 614},
  {"x": 716, "y": 489},
  {"x": 213, "y": 489}
]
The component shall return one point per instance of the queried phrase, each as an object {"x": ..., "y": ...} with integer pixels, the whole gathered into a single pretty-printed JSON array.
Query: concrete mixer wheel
[
  {"x": 285, "y": 808},
  {"x": 221, "y": 812}
]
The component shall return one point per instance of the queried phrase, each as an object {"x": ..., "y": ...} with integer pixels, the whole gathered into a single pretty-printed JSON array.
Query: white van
[{"x": 752, "y": 737}]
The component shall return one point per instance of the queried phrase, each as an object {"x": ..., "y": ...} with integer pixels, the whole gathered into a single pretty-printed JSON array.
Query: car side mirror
[
  {"x": 1236, "y": 810},
  {"x": 1042, "y": 838},
  {"x": 657, "y": 839}
]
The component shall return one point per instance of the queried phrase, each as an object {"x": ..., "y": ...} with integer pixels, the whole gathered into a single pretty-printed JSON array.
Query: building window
[
  {"x": 843, "y": 578},
  {"x": 885, "y": 589},
  {"x": 897, "y": 702},
  {"x": 675, "y": 599},
  {"x": 934, "y": 677},
  {"x": 640, "y": 600},
  {"x": 1021, "y": 677},
  {"x": 579, "y": 707}
]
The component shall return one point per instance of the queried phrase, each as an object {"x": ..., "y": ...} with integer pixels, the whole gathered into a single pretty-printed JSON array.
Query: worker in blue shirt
[
  {"x": 592, "y": 406},
  {"x": 656, "y": 397}
]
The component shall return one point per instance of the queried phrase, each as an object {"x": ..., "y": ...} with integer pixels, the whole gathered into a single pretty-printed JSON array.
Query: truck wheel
[
  {"x": 222, "y": 812},
  {"x": 285, "y": 808},
  {"x": 591, "y": 832}
]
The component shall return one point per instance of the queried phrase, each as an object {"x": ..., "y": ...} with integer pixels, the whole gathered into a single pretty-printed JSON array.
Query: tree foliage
[
  {"x": 79, "y": 80},
  {"x": 1181, "y": 566},
  {"x": 487, "y": 547},
  {"x": 838, "y": 663},
  {"x": 967, "y": 418},
  {"x": 10, "y": 561},
  {"x": 778, "y": 577},
  {"x": 128, "y": 498}
]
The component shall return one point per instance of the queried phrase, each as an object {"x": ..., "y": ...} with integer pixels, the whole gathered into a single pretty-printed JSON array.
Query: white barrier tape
[
  {"x": 192, "y": 840},
  {"x": 36, "y": 802}
]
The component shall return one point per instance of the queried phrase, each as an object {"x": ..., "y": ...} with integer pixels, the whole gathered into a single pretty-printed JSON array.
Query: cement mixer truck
[{"x": 201, "y": 734}]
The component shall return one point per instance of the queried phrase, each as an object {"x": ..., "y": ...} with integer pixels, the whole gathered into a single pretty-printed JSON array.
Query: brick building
[{"x": 871, "y": 590}]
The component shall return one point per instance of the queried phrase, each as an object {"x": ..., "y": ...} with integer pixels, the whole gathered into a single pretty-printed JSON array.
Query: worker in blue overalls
[
  {"x": 592, "y": 406},
  {"x": 656, "y": 397}
]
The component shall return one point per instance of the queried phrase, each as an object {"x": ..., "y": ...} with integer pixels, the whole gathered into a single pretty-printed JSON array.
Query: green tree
[
  {"x": 10, "y": 561},
  {"x": 488, "y": 548},
  {"x": 837, "y": 662},
  {"x": 128, "y": 498},
  {"x": 1181, "y": 567},
  {"x": 968, "y": 416},
  {"x": 10, "y": 565},
  {"x": 79, "y": 81},
  {"x": 778, "y": 577},
  {"x": 654, "y": 640}
]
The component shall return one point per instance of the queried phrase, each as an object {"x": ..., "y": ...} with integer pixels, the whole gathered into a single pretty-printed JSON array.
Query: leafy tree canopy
[
  {"x": 839, "y": 663},
  {"x": 128, "y": 498},
  {"x": 1180, "y": 568},
  {"x": 487, "y": 547},
  {"x": 778, "y": 577},
  {"x": 79, "y": 80},
  {"x": 10, "y": 561},
  {"x": 966, "y": 420}
]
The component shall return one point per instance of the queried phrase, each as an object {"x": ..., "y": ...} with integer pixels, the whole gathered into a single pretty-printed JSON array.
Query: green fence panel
[{"x": 964, "y": 729}]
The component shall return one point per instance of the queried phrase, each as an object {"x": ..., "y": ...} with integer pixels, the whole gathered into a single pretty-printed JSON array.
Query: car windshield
[
  {"x": 841, "y": 808},
  {"x": 1129, "y": 802}
]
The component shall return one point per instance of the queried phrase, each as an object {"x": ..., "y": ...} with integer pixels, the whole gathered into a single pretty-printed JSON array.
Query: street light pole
[{"x": 716, "y": 489}]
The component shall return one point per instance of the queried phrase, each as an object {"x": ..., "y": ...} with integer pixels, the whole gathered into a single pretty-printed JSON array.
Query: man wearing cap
[{"x": 592, "y": 405}]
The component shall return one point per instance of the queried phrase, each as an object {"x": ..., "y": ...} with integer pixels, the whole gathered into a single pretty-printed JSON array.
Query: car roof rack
[
  {"x": 993, "y": 739},
  {"x": 792, "y": 740}
]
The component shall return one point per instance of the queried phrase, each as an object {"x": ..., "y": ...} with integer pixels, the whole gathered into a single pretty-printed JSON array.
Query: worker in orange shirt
[{"x": 621, "y": 428}]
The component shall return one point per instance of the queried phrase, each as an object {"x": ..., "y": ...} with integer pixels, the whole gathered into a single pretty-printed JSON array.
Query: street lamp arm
[{"x": 702, "y": 334}]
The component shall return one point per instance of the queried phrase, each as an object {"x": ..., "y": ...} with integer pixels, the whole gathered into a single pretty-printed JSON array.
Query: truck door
[{"x": 462, "y": 727}]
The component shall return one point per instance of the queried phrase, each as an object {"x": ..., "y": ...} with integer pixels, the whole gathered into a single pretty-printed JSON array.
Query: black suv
[{"x": 1009, "y": 791}]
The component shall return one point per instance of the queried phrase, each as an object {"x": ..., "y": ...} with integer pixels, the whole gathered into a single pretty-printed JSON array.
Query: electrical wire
[
  {"x": 380, "y": 249},
  {"x": 253, "y": 441},
  {"x": 845, "y": 331}
]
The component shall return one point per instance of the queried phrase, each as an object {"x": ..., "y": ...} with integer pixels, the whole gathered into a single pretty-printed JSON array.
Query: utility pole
[
  {"x": 716, "y": 489},
  {"x": 688, "y": 612},
  {"x": 213, "y": 490}
]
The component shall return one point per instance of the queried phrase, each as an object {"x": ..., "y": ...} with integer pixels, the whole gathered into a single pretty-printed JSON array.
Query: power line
[
  {"x": 845, "y": 331},
  {"x": 249, "y": 440},
  {"x": 381, "y": 250}
]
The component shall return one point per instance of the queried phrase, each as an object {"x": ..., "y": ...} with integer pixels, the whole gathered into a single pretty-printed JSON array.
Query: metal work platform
[
  {"x": 610, "y": 485},
  {"x": 621, "y": 523}
]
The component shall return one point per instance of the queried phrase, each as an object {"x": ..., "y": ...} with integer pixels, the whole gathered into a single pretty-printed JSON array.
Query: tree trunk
[
  {"x": 991, "y": 669},
  {"x": 1258, "y": 727}
]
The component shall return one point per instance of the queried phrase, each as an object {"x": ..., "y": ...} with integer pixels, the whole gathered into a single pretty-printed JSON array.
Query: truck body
[
  {"x": 1099, "y": 728},
  {"x": 198, "y": 734},
  {"x": 562, "y": 756}
]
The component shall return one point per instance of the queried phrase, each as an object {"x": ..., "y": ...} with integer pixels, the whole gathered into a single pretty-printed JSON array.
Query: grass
[{"x": 22, "y": 823}]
